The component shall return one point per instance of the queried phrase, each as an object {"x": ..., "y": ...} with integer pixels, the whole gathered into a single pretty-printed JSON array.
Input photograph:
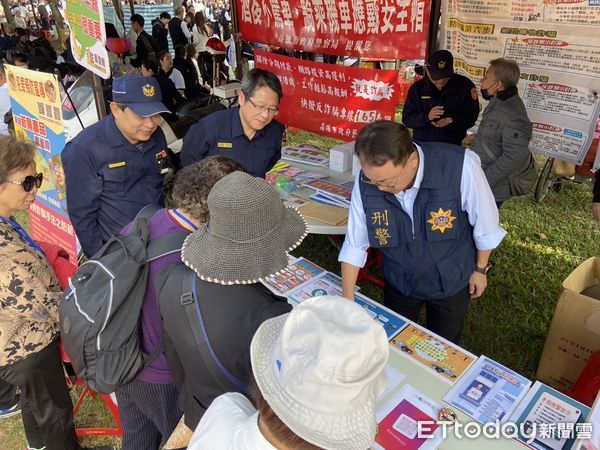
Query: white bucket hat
[{"x": 320, "y": 369}]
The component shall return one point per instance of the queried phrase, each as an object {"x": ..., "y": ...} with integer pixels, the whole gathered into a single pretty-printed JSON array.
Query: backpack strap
[
  {"x": 180, "y": 281},
  {"x": 163, "y": 246},
  {"x": 189, "y": 300}
]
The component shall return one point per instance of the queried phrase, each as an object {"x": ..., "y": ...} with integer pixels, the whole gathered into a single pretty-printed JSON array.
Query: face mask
[{"x": 485, "y": 94}]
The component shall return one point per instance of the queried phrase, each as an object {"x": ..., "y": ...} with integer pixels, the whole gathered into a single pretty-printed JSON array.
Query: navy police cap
[
  {"x": 141, "y": 94},
  {"x": 440, "y": 64}
]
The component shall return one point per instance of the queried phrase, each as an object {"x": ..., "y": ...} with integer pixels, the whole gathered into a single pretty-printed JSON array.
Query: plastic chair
[
  {"x": 373, "y": 261},
  {"x": 117, "y": 430}
]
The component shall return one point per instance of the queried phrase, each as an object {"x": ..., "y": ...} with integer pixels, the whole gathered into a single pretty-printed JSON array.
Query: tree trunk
[
  {"x": 8, "y": 13},
  {"x": 118, "y": 11},
  {"x": 58, "y": 20}
]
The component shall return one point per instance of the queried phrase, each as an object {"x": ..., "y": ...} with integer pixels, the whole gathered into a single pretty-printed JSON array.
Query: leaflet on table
[
  {"x": 391, "y": 322},
  {"x": 325, "y": 199},
  {"x": 488, "y": 391},
  {"x": 306, "y": 154},
  {"x": 295, "y": 202},
  {"x": 398, "y": 421},
  {"x": 331, "y": 189},
  {"x": 325, "y": 283},
  {"x": 441, "y": 357},
  {"x": 292, "y": 276},
  {"x": 553, "y": 418}
]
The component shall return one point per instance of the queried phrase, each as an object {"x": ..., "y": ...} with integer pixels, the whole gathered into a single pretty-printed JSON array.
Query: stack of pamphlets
[
  {"x": 330, "y": 193},
  {"x": 306, "y": 154}
]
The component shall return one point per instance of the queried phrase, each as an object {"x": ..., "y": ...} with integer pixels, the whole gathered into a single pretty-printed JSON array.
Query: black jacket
[
  {"x": 460, "y": 101},
  {"x": 231, "y": 314},
  {"x": 160, "y": 35},
  {"x": 176, "y": 32},
  {"x": 145, "y": 48}
]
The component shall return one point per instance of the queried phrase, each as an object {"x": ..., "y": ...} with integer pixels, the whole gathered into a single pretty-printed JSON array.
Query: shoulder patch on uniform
[{"x": 474, "y": 93}]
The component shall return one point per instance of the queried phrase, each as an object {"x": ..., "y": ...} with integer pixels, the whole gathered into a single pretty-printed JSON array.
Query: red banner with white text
[
  {"x": 329, "y": 99},
  {"x": 383, "y": 29}
]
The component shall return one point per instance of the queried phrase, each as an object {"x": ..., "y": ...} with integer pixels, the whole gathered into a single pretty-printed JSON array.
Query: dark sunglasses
[{"x": 30, "y": 181}]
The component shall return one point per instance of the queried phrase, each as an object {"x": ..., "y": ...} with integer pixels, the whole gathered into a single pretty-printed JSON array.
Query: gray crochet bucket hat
[{"x": 248, "y": 235}]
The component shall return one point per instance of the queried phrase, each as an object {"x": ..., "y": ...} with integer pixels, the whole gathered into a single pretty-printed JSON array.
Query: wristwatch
[{"x": 484, "y": 270}]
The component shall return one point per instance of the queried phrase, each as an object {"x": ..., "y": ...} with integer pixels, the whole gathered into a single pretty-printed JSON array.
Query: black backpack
[{"x": 100, "y": 310}]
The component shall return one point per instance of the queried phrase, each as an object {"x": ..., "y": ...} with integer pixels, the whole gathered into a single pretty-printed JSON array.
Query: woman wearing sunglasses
[{"x": 29, "y": 296}]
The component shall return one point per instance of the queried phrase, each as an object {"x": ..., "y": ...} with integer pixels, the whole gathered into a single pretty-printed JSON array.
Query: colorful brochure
[
  {"x": 306, "y": 154},
  {"x": 548, "y": 419},
  {"x": 398, "y": 422},
  {"x": 325, "y": 283},
  {"x": 488, "y": 391},
  {"x": 341, "y": 193},
  {"x": 391, "y": 322},
  {"x": 439, "y": 356},
  {"x": 292, "y": 276}
]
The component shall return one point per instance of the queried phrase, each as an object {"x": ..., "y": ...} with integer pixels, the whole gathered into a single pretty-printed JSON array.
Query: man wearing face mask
[
  {"x": 502, "y": 140},
  {"x": 115, "y": 167},
  {"x": 443, "y": 105}
]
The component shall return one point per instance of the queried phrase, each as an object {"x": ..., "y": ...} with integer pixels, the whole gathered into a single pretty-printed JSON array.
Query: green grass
[
  {"x": 545, "y": 242},
  {"x": 509, "y": 323}
]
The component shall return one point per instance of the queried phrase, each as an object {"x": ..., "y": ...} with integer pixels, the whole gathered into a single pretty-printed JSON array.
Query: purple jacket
[{"x": 161, "y": 224}]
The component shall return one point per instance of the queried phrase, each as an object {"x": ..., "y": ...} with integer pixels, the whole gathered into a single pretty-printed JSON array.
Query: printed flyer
[
  {"x": 295, "y": 274},
  {"x": 555, "y": 43},
  {"x": 488, "y": 391},
  {"x": 37, "y": 113},
  {"x": 391, "y": 322},
  {"x": 557, "y": 417},
  {"x": 438, "y": 355},
  {"x": 88, "y": 35},
  {"x": 398, "y": 418},
  {"x": 325, "y": 283}
]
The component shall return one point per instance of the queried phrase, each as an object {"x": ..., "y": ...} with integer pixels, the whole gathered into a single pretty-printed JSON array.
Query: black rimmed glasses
[
  {"x": 30, "y": 181},
  {"x": 382, "y": 183},
  {"x": 269, "y": 111}
]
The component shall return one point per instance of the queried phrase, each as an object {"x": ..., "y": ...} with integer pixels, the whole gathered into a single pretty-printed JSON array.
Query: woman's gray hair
[
  {"x": 506, "y": 70},
  {"x": 194, "y": 182}
]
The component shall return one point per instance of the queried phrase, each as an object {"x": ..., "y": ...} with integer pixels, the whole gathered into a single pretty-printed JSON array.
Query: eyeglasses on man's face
[
  {"x": 262, "y": 109},
  {"x": 29, "y": 182},
  {"x": 386, "y": 184}
]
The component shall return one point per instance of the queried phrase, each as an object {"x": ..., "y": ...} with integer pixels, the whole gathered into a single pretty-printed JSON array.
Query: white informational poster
[{"x": 557, "y": 46}]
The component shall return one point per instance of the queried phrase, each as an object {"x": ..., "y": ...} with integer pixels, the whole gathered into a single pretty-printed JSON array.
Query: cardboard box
[
  {"x": 575, "y": 330},
  {"x": 340, "y": 157}
]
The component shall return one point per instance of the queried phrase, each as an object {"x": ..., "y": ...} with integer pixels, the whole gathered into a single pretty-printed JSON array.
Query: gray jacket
[{"x": 502, "y": 142}]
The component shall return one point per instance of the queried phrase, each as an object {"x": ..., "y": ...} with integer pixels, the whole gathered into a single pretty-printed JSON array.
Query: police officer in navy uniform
[
  {"x": 116, "y": 166},
  {"x": 429, "y": 209},
  {"x": 248, "y": 134},
  {"x": 442, "y": 106}
]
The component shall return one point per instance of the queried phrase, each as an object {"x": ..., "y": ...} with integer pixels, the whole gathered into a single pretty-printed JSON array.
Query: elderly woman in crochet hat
[
  {"x": 211, "y": 308},
  {"x": 319, "y": 373}
]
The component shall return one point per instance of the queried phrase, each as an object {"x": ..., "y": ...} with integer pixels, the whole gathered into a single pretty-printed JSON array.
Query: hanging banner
[
  {"x": 557, "y": 47},
  {"x": 88, "y": 35},
  {"x": 383, "y": 29},
  {"x": 329, "y": 99},
  {"x": 37, "y": 114}
]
